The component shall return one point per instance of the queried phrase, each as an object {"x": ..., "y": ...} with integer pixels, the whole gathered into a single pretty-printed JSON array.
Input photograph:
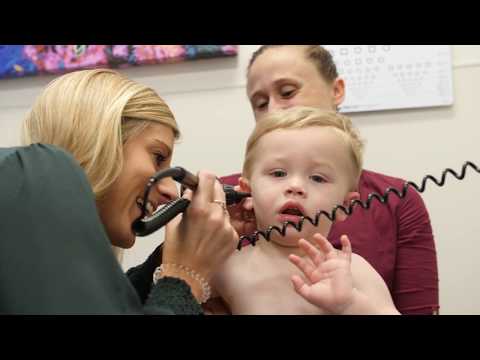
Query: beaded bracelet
[{"x": 206, "y": 289}]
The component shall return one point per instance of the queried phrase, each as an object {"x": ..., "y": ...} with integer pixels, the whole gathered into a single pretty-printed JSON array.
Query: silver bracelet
[{"x": 206, "y": 289}]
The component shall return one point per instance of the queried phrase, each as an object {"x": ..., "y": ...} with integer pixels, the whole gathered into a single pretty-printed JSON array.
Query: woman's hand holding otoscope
[{"x": 145, "y": 225}]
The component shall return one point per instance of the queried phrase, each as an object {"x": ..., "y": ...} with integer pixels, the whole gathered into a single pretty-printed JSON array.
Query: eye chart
[{"x": 384, "y": 77}]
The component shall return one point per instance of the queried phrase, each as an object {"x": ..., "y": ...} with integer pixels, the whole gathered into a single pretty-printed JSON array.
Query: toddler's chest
[{"x": 263, "y": 286}]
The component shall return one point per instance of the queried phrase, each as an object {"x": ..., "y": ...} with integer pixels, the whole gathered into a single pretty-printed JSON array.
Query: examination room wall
[{"x": 208, "y": 98}]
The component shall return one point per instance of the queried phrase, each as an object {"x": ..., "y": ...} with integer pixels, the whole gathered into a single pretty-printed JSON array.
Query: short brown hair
[{"x": 317, "y": 54}]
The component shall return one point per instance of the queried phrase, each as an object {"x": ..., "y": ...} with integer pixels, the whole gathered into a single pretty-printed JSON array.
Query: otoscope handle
[
  {"x": 188, "y": 180},
  {"x": 144, "y": 227}
]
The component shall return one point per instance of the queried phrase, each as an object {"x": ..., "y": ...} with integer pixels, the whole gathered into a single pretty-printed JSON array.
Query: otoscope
[{"x": 145, "y": 225}]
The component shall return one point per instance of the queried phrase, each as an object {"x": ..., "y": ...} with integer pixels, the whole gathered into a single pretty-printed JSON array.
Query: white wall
[{"x": 209, "y": 101}]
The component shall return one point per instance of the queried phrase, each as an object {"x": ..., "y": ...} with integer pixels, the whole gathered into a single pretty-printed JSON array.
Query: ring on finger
[{"x": 222, "y": 204}]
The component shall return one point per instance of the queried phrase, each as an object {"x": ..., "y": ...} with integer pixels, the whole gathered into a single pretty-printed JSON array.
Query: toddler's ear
[
  {"x": 338, "y": 91},
  {"x": 244, "y": 186},
  {"x": 352, "y": 195}
]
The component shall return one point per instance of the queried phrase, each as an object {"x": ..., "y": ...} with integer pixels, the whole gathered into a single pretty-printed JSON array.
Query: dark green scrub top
[{"x": 55, "y": 256}]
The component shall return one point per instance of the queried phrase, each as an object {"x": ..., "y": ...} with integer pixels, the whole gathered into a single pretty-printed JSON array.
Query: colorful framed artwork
[{"x": 27, "y": 60}]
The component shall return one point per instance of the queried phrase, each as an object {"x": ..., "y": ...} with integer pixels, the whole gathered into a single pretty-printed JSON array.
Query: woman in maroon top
[{"x": 395, "y": 238}]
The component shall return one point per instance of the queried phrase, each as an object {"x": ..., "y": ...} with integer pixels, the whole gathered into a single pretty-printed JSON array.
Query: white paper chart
[{"x": 383, "y": 77}]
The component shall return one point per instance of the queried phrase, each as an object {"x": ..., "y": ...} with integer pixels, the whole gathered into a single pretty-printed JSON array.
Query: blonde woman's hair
[
  {"x": 300, "y": 117},
  {"x": 91, "y": 114}
]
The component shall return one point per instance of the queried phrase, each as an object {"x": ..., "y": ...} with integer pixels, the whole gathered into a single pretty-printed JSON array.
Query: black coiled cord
[{"x": 252, "y": 239}]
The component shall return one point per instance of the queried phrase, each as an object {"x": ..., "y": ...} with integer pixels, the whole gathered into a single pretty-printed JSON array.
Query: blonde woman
[{"x": 119, "y": 133}]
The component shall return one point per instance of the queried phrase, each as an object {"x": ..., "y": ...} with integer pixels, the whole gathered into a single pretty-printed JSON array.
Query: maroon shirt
[{"x": 395, "y": 238}]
